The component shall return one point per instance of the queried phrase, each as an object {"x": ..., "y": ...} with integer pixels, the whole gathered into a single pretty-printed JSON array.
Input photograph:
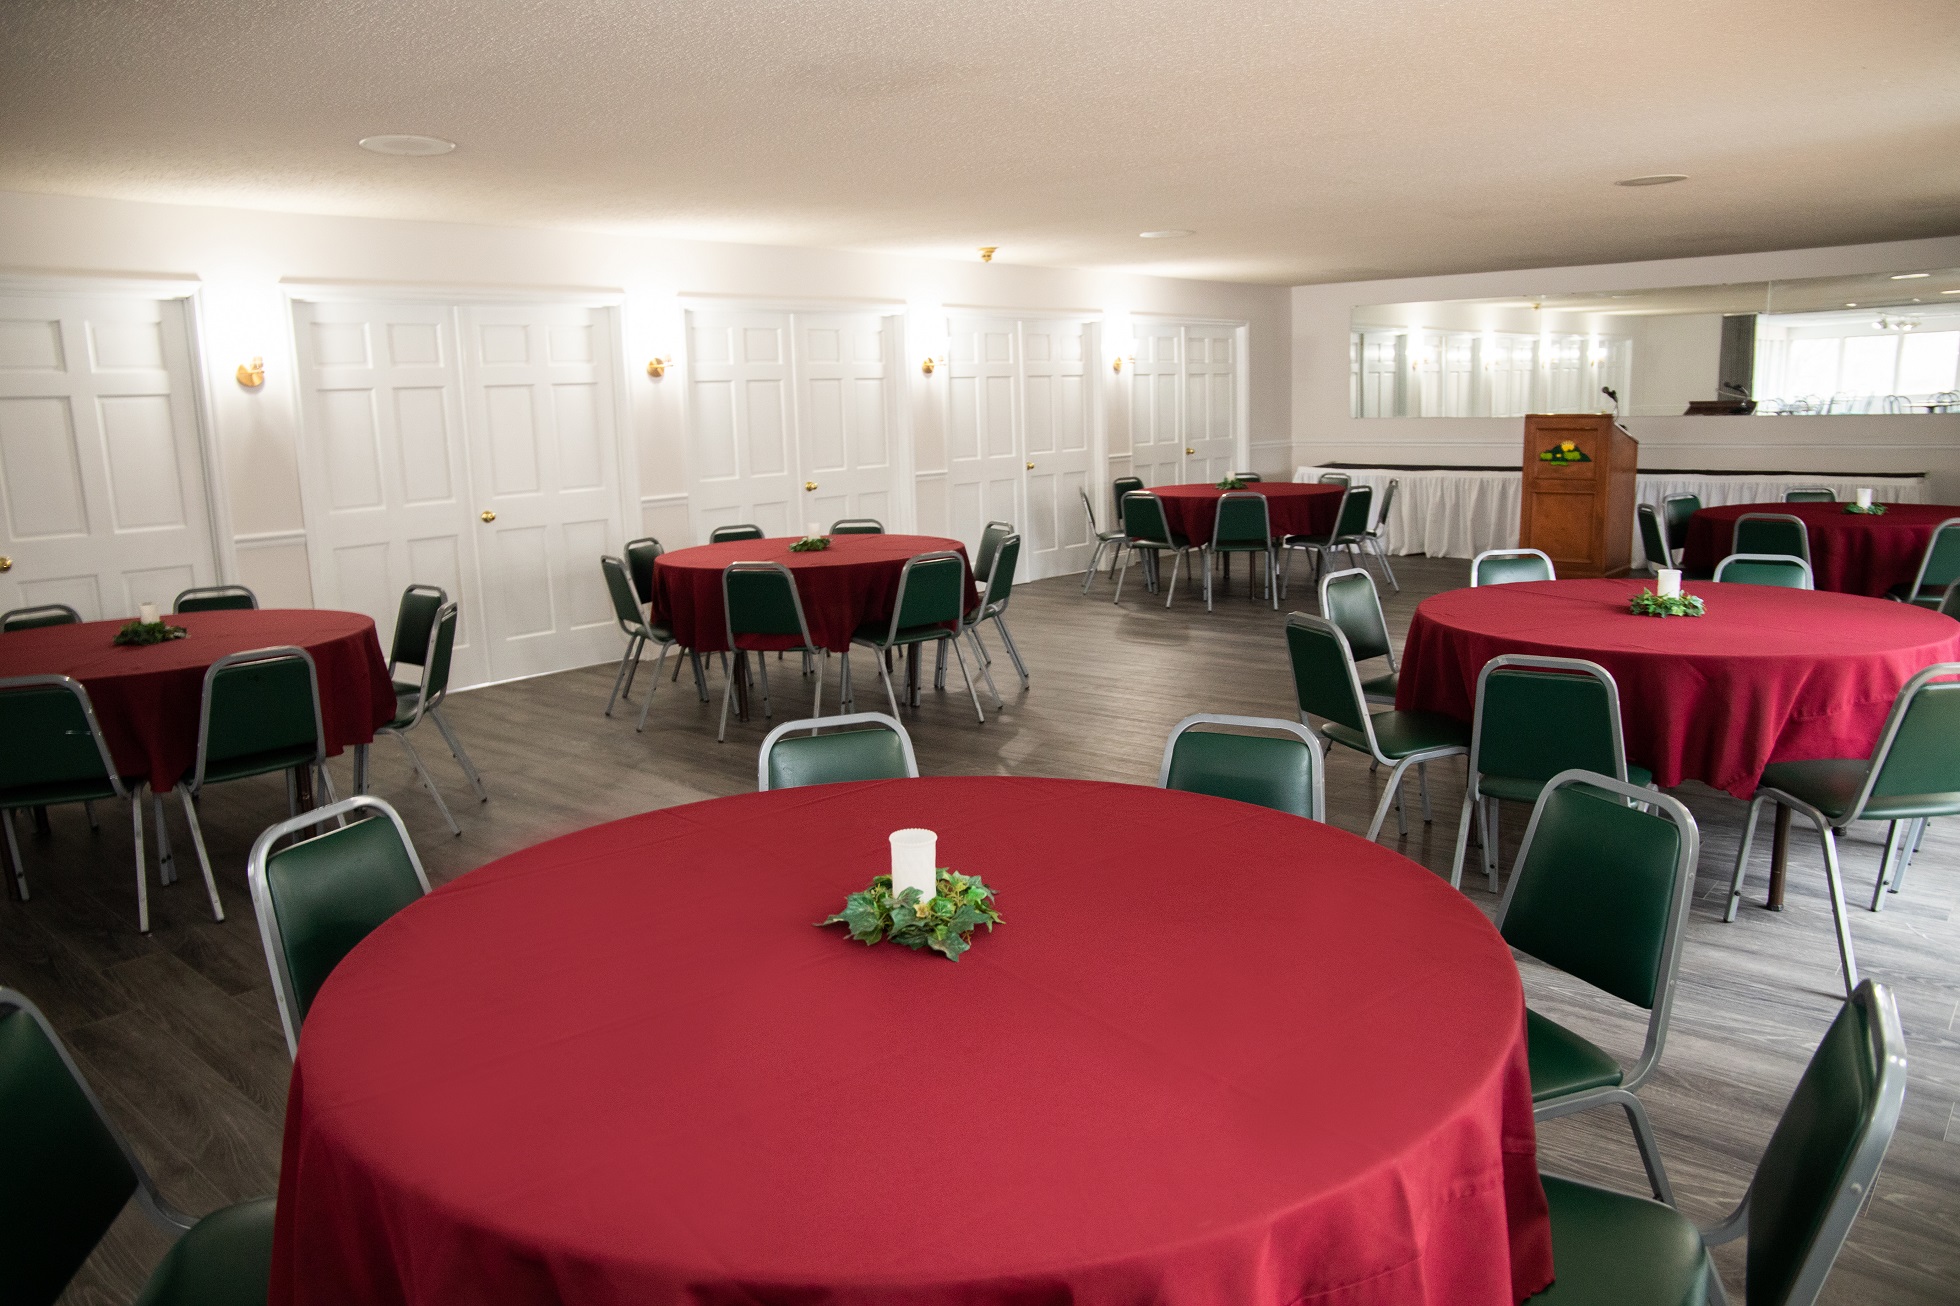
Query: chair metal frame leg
[
  {"x": 1887, "y": 860},
  {"x": 166, "y": 858},
  {"x": 1177, "y": 561},
  {"x": 1643, "y": 1129},
  {"x": 1742, "y": 857},
  {"x": 1381, "y": 556},
  {"x": 1095, "y": 561},
  {"x": 629, "y": 661},
  {"x": 939, "y": 665},
  {"x": 203, "y": 859},
  {"x": 415, "y": 760},
  {"x": 1833, "y": 874},
  {"x": 1121, "y": 573},
  {"x": 1472, "y": 803},
  {"x": 1007, "y": 640},
  {"x": 13, "y": 849},
  {"x": 973, "y": 633},
  {"x": 885, "y": 675},
  {"x": 762, "y": 669},
  {"x": 462, "y": 756},
  {"x": 645, "y": 708},
  {"x": 973, "y": 693}
]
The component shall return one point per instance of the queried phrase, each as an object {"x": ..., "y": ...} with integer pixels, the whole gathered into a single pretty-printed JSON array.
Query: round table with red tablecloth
[
  {"x": 1768, "y": 675},
  {"x": 1291, "y": 508},
  {"x": 1850, "y": 552},
  {"x": 843, "y": 587},
  {"x": 1224, "y": 1055},
  {"x": 148, "y": 699}
]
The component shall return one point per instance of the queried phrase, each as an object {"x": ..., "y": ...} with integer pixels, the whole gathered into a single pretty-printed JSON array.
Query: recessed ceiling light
[
  {"x": 1169, "y": 233},
  {"x": 1910, "y": 276},
  {"x": 1657, "y": 179},
  {"x": 418, "y": 145}
]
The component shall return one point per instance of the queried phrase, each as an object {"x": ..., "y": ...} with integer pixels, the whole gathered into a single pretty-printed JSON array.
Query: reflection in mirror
[{"x": 1880, "y": 343}]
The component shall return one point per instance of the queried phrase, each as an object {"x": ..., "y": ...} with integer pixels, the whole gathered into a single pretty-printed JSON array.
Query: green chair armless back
[
  {"x": 415, "y": 618},
  {"x": 931, "y": 592},
  {"x": 216, "y": 598},
  {"x": 789, "y": 760},
  {"x": 1250, "y": 478},
  {"x": 1283, "y": 774},
  {"x": 1242, "y": 522},
  {"x": 318, "y": 898},
  {"x": 435, "y": 676},
  {"x": 1767, "y": 532},
  {"x": 1388, "y": 502},
  {"x": 1922, "y": 758},
  {"x": 1939, "y": 568},
  {"x": 1510, "y": 567},
  {"x": 47, "y": 614},
  {"x": 1785, "y": 570},
  {"x": 760, "y": 598},
  {"x": 225, "y": 1260},
  {"x": 1810, "y": 494},
  {"x": 1653, "y": 539},
  {"x": 1000, "y": 579},
  {"x": 1676, "y": 509},
  {"x": 1334, "y": 478},
  {"x": 1534, "y": 722},
  {"x": 1356, "y": 506},
  {"x": 1143, "y": 519},
  {"x": 1125, "y": 485},
  {"x": 261, "y": 713},
  {"x": 1323, "y": 672},
  {"x": 990, "y": 541},
  {"x": 624, "y": 595},
  {"x": 857, "y": 526},
  {"x": 639, "y": 555},
  {"x": 55, "y": 752},
  {"x": 724, "y": 534},
  {"x": 1350, "y": 601}
]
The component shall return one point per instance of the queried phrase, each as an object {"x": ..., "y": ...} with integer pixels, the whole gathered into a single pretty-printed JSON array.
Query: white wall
[
  {"x": 1324, "y": 430},
  {"x": 242, "y": 265}
]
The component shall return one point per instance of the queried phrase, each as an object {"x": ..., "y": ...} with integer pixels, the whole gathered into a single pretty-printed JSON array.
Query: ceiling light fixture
[
  {"x": 1910, "y": 276},
  {"x": 409, "y": 145},
  {"x": 987, "y": 253},
  {"x": 1169, "y": 233},
  {"x": 1655, "y": 179}
]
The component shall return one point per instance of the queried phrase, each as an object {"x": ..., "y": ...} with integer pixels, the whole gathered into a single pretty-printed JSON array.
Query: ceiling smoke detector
[
  {"x": 419, "y": 146},
  {"x": 1655, "y": 179}
]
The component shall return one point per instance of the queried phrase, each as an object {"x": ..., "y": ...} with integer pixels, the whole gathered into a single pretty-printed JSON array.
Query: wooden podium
[{"x": 1579, "y": 509}]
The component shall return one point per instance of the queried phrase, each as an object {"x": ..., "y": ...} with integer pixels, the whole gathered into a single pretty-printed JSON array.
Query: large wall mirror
[{"x": 1882, "y": 343}]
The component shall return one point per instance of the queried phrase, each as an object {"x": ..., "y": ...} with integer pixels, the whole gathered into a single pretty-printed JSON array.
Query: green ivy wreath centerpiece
[
  {"x": 1649, "y": 604},
  {"x": 811, "y": 544},
  {"x": 141, "y": 633},
  {"x": 1231, "y": 483},
  {"x": 1873, "y": 510},
  {"x": 945, "y": 924}
]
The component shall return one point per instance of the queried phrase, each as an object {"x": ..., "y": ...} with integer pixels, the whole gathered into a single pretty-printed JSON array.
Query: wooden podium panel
[{"x": 1579, "y": 510}]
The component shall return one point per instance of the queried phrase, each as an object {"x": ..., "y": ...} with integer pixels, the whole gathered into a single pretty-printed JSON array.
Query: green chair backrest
[
  {"x": 1676, "y": 509},
  {"x": 761, "y": 599},
  {"x": 1242, "y": 520},
  {"x": 639, "y": 555},
  {"x": 1143, "y": 518},
  {"x": 1808, "y": 494},
  {"x": 64, "y": 1176},
  {"x": 931, "y": 590},
  {"x": 1940, "y": 567},
  {"x": 1595, "y": 890},
  {"x": 1334, "y": 478},
  {"x": 1350, "y": 601},
  {"x": 1536, "y": 717},
  {"x": 1388, "y": 501},
  {"x": 724, "y": 534},
  {"x": 1781, "y": 569},
  {"x": 319, "y": 897},
  {"x": 1771, "y": 533},
  {"x": 990, "y": 541},
  {"x": 216, "y": 598},
  {"x": 1818, "y": 1168},
  {"x": 414, "y": 619},
  {"x": 625, "y": 601},
  {"x": 1000, "y": 581},
  {"x": 857, "y": 526},
  {"x": 1283, "y": 774},
  {"x": 53, "y": 745},
  {"x": 1950, "y": 605},
  {"x": 48, "y": 614},
  {"x": 1125, "y": 485},
  {"x": 435, "y": 677},
  {"x": 1323, "y": 672},
  {"x": 1921, "y": 754},
  {"x": 1652, "y": 538},
  {"x": 1510, "y": 567},
  {"x": 1250, "y": 478},
  {"x": 260, "y": 704},
  {"x": 1356, "y": 505},
  {"x": 790, "y": 760}
]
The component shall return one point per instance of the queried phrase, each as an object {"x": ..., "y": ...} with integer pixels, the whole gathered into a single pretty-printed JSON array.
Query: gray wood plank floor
[{"x": 179, "y": 1035}]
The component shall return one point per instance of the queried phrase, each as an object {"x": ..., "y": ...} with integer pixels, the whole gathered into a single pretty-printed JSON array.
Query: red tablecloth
[
  {"x": 1216, "y": 1054},
  {"x": 852, "y": 582},
  {"x": 1850, "y": 553},
  {"x": 1293, "y": 509},
  {"x": 1769, "y": 675},
  {"x": 147, "y": 700}
]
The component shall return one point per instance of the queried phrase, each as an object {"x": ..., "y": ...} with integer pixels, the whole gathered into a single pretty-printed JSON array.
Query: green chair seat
[
  {"x": 1404, "y": 734},
  {"x": 1562, "y": 1062},
  {"x": 881, "y": 634},
  {"x": 55, "y": 793},
  {"x": 1613, "y": 1249},
  {"x": 1382, "y": 688},
  {"x": 225, "y": 1260},
  {"x": 250, "y": 764},
  {"x": 1832, "y": 785},
  {"x": 1518, "y": 790}
]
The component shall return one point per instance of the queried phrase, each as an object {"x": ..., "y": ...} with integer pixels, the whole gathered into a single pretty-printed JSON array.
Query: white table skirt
[{"x": 1451, "y": 513}]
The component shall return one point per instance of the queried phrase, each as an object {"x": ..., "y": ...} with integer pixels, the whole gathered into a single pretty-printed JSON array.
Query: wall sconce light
[
  {"x": 657, "y": 367},
  {"x": 252, "y": 375},
  {"x": 987, "y": 253}
]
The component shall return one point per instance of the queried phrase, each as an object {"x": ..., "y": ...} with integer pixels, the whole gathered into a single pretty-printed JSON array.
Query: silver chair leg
[
  {"x": 166, "y": 859},
  {"x": 1381, "y": 556},
  {"x": 1095, "y": 560},
  {"x": 1422, "y": 787},
  {"x": 1205, "y": 564},
  {"x": 203, "y": 860},
  {"x": 1013, "y": 649},
  {"x": 629, "y": 662},
  {"x": 1490, "y": 826},
  {"x": 939, "y": 665},
  {"x": 415, "y": 760},
  {"x": 1471, "y": 801},
  {"x": 846, "y": 694},
  {"x": 361, "y": 765},
  {"x": 88, "y": 810},
  {"x": 1834, "y": 880},
  {"x": 885, "y": 675},
  {"x": 1886, "y": 862},
  {"x": 1123, "y": 571},
  {"x": 1170, "y": 591},
  {"x": 645, "y": 708},
  {"x": 700, "y": 675},
  {"x": 1742, "y": 857},
  {"x": 1389, "y": 795},
  {"x": 1650, "y": 1148},
  {"x": 973, "y": 693},
  {"x": 973, "y": 634},
  {"x": 762, "y": 670},
  {"x": 142, "y": 873},
  {"x": 20, "y": 867},
  {"x": 462, "y": 756}
]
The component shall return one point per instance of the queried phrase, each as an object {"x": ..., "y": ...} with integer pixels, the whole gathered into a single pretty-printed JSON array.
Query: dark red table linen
[
  {"x": 852, "y": 582},
  {"x": 1850, "y": 552},
  {"x": 1292, "y": 508},
  {"x": 1769, "y": 675},
  {"x": 1216, "y": 1054},
  {"x": 147, "y": 699}
]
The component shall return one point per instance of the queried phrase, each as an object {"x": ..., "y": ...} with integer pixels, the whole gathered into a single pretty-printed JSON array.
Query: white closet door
[
  {"x": 741, "y": 423},
  {"x": 386, "y": 473},
  {"x": 1055, "y": 537},
  {"x": 539, "y": 401},
  {"x": 1211, "y": 403},
  {"x": 843, "y": 418},
  {"x": 984, "y": 440},
  {"x": 1156, "y": 433},
  {"x": 102, "y": 474}
]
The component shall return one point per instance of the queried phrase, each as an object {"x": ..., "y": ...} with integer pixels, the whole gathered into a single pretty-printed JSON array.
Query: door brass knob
[
  {"x": 809, "y": 485},
  {"x": 1189, "y": 450},
  {"x": 6, "y": 563},
  {"x": 1030, "y": 466},
  {"x": 488, "y": 515}
]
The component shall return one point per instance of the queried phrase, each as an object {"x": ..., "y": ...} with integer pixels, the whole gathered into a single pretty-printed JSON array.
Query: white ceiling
[{"x": 1337, "y": 140}]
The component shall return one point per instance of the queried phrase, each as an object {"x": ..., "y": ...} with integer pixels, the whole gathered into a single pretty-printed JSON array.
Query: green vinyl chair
[
  {"x": 994, "y": 598},
  {"x": 857, "y": 526},
  {"x": 726, "y": 534},
  {"x": 1350, "y": 533},
  {"x": 318, "y": 897},
  {"x": 1328, "y": 686},
  {"x": 639, "y": 632},
  {"x": 1122, "y": 486},
  {"x": 1939, "y": 568},
  {"x": 1783, "y": 569},
  {"x": 1242, "y": 525},
  {"x": 46, "y": 614},
  {"x": 1913, "y": 774},
  {"x": 1615, "y": 1249},
  {"x": 425, "y": 700},
  {"x": 1676, "y": 511},
  {"x": 639, "y": 556},
  {"x": 1771, "y": 532},
  {"x": 1375, "y": 538},
  {"x": 1104, "y": 540},
  {"x": 930, "y": 607},
  {"x": 1285, "y": 774},
  {"x": 415, "y": 622},
  {"x": 1333, "y": 478},
  {"x": 1536, "y": 717},
  {"x": 66, "y": 1173},
  {"x": 760, "y": 603},
  {"x": 1600, "y": 891},
  {"x": 1250, "y": 478},
  {"x": 1147, "y": 530},
  {"x": 216, "y": 598},
  {"x": 1349, "y": 600},
  {"x": 881, "y": 752},
  {"x": 56, "y": 754},
  {"x": 1950, "y": 605},
  {"x": 1653, "y": 537},
  {"x": 1810, "y": 494},
  {"x": 1510, "y": 567},
  {"x": 991, "y": 536}
]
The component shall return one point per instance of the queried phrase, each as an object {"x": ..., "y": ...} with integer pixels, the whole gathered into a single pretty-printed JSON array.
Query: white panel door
[
  {"x": 385, "y": 466},
  {"x": 538, "y": 399},
  {"x": 102, "y": 479},
  {"x": 741, "y": 423},
  {"x": 984, "y": 439},
  {"x": 1055, "y": 535},
  {"x": 843, "y": 418},
  {"x": 1211, "y": 403},
  {"x": 1156, "y": 429}
]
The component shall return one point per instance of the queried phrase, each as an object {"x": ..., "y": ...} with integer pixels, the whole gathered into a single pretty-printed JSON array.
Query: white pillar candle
[
  {"x": 1669, "y": 582},
  {"x": 1864, "y": 498},
  {"x": 915, "y": 855},
  {"x": 146, "y": 613},
  {"x": 813, "y": 530}
]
